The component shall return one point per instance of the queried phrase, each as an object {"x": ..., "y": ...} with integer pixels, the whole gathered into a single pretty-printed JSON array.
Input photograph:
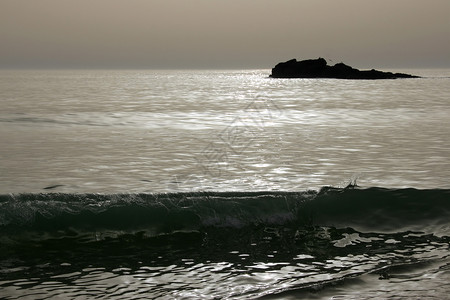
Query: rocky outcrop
[{"x": 318, "y": 68}]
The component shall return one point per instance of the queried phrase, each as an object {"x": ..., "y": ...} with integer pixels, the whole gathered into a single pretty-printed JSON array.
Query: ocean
[{"x": 223, "y": 184}]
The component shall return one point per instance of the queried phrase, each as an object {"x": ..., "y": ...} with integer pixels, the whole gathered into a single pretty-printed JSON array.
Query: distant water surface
[{"x": 158, "y": 131}]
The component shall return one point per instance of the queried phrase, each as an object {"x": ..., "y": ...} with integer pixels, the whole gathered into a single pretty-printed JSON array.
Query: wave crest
[{"x": 99, "y": 216}]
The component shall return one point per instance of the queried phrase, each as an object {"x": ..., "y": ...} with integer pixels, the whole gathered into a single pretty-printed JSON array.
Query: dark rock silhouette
[{"x": 318, "y": 68}]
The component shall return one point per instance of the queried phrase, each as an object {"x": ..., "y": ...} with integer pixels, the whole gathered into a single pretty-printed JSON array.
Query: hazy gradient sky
[{"x": 222, "y": 34}]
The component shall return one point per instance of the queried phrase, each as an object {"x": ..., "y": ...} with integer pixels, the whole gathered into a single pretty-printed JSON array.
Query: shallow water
[
  {"x": 226, "y": 245},
  {"x": 212, "y": 185}
]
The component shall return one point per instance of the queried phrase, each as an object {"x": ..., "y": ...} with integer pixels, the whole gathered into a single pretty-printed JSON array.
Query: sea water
[{"x": 223, "y": 184}]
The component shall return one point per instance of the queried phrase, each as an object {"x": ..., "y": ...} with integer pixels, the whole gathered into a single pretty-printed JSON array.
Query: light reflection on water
[
  {"x": 321, "y": 263},
  {"x": 157, "y": 131},
  {"x": 224, "y": 280}
]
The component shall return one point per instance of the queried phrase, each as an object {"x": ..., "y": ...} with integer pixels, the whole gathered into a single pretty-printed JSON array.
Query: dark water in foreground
[{"x": 350, "y": 243}]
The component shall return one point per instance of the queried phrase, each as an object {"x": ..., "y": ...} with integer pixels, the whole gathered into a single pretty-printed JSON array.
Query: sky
[{"x": 229, "y": 34}]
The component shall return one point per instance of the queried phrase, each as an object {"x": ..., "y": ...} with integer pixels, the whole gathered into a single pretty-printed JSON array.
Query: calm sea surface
[
  {"x": 223, "y": 184},
  {"x": 159, "y": 131}
]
